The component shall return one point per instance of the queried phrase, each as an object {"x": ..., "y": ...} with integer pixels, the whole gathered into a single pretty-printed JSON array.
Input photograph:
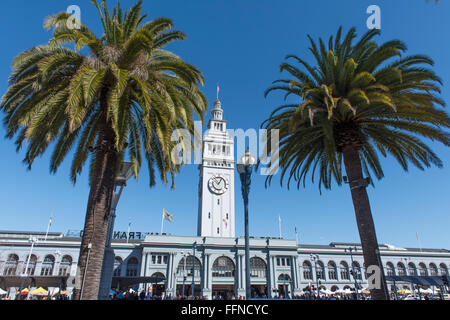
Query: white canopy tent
[
  {"x": 426, "y": 291},
  {"x": 326, "y": 291},
  {"x": 345, "y": 291}
]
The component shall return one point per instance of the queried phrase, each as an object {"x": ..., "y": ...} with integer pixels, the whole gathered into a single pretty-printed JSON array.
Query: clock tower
[{"x": 216, "y": 186}]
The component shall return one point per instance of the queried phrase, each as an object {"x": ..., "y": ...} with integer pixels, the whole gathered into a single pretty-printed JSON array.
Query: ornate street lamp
[
  {"x": 314, "y": 257},
  {"x": 245, "y": 168},
  {"x": 125, "y": 174},
  {"x": 184, "y": 271},
  {"x": 24, "y": 276},
  {"x": 408, "y": 273},
  {"x": 354, "y": 273},
  {"x": 194, "y": 246}
]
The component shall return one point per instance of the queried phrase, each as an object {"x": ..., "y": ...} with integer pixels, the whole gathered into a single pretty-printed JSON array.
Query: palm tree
[
  {"x": 359, "y": 100},
  {"x": 124, "y": 96}
]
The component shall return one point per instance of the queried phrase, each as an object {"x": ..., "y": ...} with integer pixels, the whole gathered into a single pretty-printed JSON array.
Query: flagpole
[
  {"x": 296, "y": 235},
  {"x": 128, "y": 233},
  {"x": 48, "y": 227},
  {"x": 162, "y": 222},
  {"x": 420, "y": 244},
  {"x": 279, "y": 224}
]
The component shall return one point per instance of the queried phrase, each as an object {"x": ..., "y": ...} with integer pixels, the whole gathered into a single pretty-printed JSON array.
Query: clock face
[{"x": 218, "y": 184}]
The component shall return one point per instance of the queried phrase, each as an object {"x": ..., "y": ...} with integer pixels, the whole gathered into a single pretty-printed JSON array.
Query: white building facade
[{"x": 277, "y": 266}]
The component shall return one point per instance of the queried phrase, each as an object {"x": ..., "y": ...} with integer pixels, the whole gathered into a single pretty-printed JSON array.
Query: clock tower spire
[{"x": 216, "y": 185}]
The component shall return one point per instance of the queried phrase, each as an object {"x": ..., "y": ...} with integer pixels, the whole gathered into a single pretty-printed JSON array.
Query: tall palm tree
[
  {"x": 124, "y": 94},
  {"x": 359, "y": 100}
]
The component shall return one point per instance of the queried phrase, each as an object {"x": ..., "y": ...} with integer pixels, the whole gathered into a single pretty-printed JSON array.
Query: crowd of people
[
  {"x": 306, "y": 296},
  {"x": 147, "y": 295}
]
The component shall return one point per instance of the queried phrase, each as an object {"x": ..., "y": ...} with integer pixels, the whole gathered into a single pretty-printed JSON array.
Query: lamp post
[
  {"x": 194, "y": 246},
  {"x": 351, "y": 249},
  {"x": 407, "y": 273},
  {"x": 184, "y": 272},
  {"x": 315, "y": 257},
  {"x": 32, "y": 241},
  {"x": 126, "y": 172},
  {"x": 58, "y": 254},
  {"x": 245, "y": 168}
]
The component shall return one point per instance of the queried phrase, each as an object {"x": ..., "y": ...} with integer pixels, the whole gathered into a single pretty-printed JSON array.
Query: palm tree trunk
[
  {"x": 97, "y": 218},
  {"x": 364, "y": 220}
]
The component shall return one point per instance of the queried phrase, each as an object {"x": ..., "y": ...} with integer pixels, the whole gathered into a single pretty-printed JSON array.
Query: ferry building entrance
[
  {"x": 224, "y": 291},
  {"x": 259, "y": 291}
]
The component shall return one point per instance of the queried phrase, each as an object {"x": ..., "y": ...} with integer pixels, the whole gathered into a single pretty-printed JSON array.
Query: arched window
[
  {"x": 31, "y": 265},
  {"x": 307, "y": 270},
  {"x": 186, "y": 268},
  {"x": 390, "y": 270},
  {"x": 223, "y": 267},
  {"x": 412, "y": 270},
  {"x": 132, "y": 267},
  {"x": 157, "y": 277},
  {"x": 65, "y": 266},
  {"x": 357, "y": 270},
  {"x": 332, "y": 270},
  {"x": 443, "y": 269},
  {"x": 258, "y": 268},
  {"x": 47, "y": 265},
  {"x": 433, "y": 270},
  {"x": 401, "y": 269},
  {"x": 117, "y": 266},
  {"x": 11, "y": 265},
  {"x": 283, "y": 278},
  {"x": 320, "y": 270},
  {"x": 345, "y": 274},
  {"x": 283, "y": 284},
  {"x": 423, "y": 269}
]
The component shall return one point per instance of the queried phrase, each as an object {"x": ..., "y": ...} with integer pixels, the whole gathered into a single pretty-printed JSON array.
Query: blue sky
[{"x": 240, "y": 45}]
